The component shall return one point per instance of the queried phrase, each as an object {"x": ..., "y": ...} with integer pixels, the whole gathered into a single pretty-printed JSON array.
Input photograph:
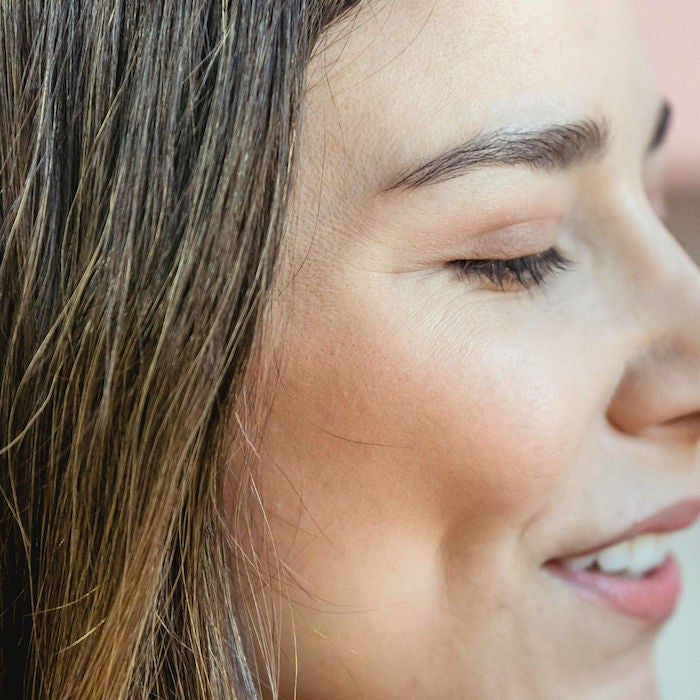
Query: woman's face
[{"x": 443, "y": 434}]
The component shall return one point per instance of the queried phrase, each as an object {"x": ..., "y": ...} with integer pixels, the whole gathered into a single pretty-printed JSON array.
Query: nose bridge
[
  {"x": 668, "y": 288},
  {"x": 660, "y": 387}
]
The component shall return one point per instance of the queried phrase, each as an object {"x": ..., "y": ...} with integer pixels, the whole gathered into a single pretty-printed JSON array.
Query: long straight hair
[{"x": 146, "y": 153}]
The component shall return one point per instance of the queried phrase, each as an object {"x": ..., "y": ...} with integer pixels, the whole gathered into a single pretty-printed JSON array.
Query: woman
[{"x": 344, "y": 352}]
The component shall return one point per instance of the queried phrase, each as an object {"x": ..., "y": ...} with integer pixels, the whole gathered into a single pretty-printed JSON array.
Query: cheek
[
  {"x": 431, "y": 418},
  {"x": 491, "y": 419}
]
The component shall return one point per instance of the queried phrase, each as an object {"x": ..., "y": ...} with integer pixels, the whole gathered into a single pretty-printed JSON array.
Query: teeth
[
  {"x": 648, "y": 553},
  {"x": 635, "y": 557},
  {"x": 580, "y": 563},
  {"x": 617, "y": 558}
]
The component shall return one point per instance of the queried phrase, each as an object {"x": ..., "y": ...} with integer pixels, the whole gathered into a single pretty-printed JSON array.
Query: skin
[{"x": 433, "y": 441}]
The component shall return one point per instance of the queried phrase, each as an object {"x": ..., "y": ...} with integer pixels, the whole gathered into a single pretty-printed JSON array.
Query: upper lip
[{"x": 670, "y": 519}]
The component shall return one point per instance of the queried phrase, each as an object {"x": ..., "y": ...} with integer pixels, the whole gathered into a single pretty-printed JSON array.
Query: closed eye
[{"x": 526, "y": 272}]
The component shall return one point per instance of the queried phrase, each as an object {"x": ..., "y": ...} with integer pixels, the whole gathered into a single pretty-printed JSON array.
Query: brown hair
[{"x": 145, "y": 165}]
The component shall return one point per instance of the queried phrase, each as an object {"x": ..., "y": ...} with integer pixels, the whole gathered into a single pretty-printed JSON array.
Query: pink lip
[
  {"x": 651, "y": 598},
  {"x": 675, "y": 517}
]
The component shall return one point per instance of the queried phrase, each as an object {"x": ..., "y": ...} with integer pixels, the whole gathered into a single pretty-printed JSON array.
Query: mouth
[{"x": 635, "y": 572}]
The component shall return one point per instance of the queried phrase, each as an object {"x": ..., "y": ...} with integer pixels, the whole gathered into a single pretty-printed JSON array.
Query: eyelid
[{"x": 516, "y": 240}]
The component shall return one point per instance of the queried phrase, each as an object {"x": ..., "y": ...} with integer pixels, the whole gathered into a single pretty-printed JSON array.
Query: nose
[{"x": 658, "y": 395}]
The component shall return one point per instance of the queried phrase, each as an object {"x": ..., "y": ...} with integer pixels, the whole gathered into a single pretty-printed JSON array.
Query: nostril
[
  {"x": 659, "y": 394},
  {"x": 650, "y": 419},
  {"x": 682, "y": 429}
]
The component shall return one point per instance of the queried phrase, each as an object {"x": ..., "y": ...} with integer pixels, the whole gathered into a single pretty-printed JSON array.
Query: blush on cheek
[
  {"x": 496, "y": 430},
  {"x": 381, "y": 409}
]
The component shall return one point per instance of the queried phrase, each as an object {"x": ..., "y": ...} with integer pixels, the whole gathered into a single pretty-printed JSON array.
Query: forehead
[{"x": 400, "y": 80}]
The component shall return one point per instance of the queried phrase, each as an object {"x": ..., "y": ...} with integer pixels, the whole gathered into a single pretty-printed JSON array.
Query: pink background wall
[{"x": 672, "y": 29}]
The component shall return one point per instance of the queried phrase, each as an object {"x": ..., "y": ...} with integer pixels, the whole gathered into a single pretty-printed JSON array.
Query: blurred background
[{"x": 671, "y": 29}]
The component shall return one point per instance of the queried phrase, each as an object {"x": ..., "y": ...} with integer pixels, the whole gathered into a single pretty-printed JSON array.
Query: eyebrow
[{"x": 555, "y": 147}]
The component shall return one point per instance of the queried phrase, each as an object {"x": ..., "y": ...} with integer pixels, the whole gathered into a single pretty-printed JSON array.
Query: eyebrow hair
[{"x": 555, "y": 147}]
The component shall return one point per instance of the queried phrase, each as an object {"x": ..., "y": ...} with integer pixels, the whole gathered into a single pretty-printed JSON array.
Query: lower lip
[{"x": 652, "y": 598}]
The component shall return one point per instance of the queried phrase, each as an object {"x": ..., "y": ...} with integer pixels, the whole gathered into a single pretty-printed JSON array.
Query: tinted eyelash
[{"x": 527, "y": 271}]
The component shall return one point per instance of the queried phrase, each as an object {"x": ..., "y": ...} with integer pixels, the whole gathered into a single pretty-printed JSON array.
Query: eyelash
[{"x": 527, "y": 271}]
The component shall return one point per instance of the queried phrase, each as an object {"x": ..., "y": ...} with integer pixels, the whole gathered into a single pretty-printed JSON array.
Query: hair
[{"x": 146, "y": 154}]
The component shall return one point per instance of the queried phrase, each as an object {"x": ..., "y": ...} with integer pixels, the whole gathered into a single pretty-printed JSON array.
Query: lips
[
  {"x": 671, "y": 519},
  {"x": 624, "y": 574}
]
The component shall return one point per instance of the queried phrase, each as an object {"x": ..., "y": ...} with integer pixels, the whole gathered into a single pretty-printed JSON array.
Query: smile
[
  {"x": 635, "y": 573},
  {"x": 635, "y": 557}
]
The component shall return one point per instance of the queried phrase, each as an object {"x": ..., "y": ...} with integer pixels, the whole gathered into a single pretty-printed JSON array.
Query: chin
[{"x": 634, "y": 679}]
